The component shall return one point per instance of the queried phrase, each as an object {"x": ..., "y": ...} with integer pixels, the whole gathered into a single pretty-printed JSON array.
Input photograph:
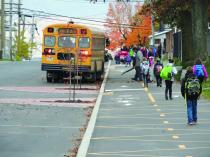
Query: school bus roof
[{"x": 94, "y": 30}]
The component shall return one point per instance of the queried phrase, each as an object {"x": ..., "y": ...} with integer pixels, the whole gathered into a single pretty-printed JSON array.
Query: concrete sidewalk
[{"x": 133, "y": 121}]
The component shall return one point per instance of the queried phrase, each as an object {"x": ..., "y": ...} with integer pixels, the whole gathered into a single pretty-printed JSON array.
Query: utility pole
[
  {"x": 2, "y": 32},
  {"x": 10, "y": 29},
  {"x": 32, "y": 36},
  {"x": 153, "y": 40},
  {"x": 153, "y": 21},
  {"x": 19, "y": 16}
]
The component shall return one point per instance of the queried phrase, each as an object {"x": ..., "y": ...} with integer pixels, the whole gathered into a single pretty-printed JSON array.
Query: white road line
[
  {"x": 122, "y": 90},
  {"x": 83, "y": 148},
  {"x": 148, "y": 150},
  {"x": 42, "y": 126}
]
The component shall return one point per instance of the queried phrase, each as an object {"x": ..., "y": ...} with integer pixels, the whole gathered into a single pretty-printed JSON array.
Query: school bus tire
[{"x": 49, "y": 77}]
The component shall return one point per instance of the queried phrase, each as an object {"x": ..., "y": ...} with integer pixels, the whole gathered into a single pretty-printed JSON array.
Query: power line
[{"x": 78, "y": 18}]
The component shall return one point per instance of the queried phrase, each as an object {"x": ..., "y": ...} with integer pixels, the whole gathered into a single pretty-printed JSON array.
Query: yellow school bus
[{"x": 71, "y": 49}]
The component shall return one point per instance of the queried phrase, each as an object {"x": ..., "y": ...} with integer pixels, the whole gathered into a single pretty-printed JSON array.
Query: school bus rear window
[
  {"x": 49, "y": 41},
  {"x": 84, "y": 42},
  {"x": 67, "y": 41}
]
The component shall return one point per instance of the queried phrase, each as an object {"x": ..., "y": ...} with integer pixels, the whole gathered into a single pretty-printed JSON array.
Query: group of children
[{"x": 191, "y": 84}]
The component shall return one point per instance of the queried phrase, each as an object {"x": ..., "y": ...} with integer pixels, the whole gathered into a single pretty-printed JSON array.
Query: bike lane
[{"x": 135, "y": 121}]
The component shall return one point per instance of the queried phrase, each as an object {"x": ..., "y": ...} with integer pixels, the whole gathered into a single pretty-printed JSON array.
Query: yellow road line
[{"x": 152, "y": 99}]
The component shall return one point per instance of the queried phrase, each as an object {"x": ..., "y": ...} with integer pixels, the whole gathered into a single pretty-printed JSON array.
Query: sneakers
[{"x": 192, "y": 123}]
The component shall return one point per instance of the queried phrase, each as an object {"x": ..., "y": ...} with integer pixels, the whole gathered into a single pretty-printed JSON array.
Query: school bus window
[
  {"x": 49, "y": 41},
  {"x": 67, "y": 41},
  {"x": 98, "y": 43},
  {"x": 84, "y": 42}
]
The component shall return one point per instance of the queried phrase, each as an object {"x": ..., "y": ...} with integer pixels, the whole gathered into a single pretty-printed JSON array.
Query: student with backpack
[
  {"x": 145, "y": 71},
  {"x": 157, "y": 69},
  {"x": 191, "y": 89},
  {"x": 200, "y": 70},
  {"x": 167, "y": 74}
]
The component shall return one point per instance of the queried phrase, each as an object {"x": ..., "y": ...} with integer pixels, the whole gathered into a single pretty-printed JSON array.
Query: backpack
[
  {"x": 166, "y": 73},
  {"x": 192, "y": 87},
  {"x": 145, "y": 68},
  {"x": 199, "y": 71},
  {"x": 158, "y": 69}
]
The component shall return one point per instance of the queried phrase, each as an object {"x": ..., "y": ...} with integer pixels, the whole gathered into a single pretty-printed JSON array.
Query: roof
[
  {"x": 161, "y": 33},
  {"x": 93, "y": 29}
]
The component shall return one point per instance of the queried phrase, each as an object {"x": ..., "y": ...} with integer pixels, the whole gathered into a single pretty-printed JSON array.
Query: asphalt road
[
  {"x": 133, "y": 121},
  {"x": 31, "y": 123}
]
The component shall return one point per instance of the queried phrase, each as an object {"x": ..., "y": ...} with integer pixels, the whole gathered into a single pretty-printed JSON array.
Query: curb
[{"x": 82, "y": 151}]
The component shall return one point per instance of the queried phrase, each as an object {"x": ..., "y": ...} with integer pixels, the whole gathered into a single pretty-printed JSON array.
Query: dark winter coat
[{"x": 155, "y": 67}]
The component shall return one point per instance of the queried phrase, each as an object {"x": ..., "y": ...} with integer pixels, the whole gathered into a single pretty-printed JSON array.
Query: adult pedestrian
[
  {"x": 199, "y": 70},
  {"x": 136, "y": 64},
  {"x": 167, "y": 74},
  {"x": 159, "y": 49},
  {"x": 191, "y": 89}
]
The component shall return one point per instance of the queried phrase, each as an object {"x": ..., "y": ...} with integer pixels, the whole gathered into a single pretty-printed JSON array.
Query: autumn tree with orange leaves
[
  {"x": 141, "y": 28},
  {"x": 117, "y": 23},
  {"x": 123, "y": 28}
]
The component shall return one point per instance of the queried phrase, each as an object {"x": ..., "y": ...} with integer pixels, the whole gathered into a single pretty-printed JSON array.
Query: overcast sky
[{"x": 72, "y": 8}]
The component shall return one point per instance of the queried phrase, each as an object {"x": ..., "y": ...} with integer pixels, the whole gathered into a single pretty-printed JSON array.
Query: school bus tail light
[
  {"x": 49, "y": 51},
  {"x": 84, "y": 53}
]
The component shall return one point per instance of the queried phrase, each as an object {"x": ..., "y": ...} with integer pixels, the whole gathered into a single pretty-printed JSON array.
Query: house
[{"x": 165, "y": 38}]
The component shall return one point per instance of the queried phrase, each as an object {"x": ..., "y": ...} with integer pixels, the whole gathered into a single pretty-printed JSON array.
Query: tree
[
  {"x": 189, "y": 16},
  {"x": 141, "y": 30},
  {"x": 118, "y": 20},
  {"x": 24, "y": 47}
]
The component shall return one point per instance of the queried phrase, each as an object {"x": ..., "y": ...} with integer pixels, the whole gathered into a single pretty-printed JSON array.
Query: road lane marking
[
  {"x": 182, "y": 146},
  {"x": 152, "y": 99},
  {"x": 143, "y": 136},
  {"x": 128, "y": 155},
  {"x": 166, "y": 141},
  {"x": 128, "y": 104},
  {"x": 162, "y": 115},
  {"x": 175, "y": 137},
  {"x": 42, "y": 126},
  {"x": 126, "y": 109},
  {"x": 150, "y": 150},
  {"x": 83, "y": 148},
  {"x": 122, "y": 90},
  {"x": 171, "y": 129}
]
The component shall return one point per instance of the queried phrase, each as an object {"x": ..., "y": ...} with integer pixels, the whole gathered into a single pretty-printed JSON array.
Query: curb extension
[{"x": 83, "y": 148}]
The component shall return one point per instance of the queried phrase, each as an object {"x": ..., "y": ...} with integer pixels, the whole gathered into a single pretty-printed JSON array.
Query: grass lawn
[{"x": 206, "y": 85}]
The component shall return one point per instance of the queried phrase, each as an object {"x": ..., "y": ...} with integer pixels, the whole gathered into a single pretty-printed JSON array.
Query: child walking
[
  {"x": 157, "y": 69},
  {"x": 191, "y": 89}
]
